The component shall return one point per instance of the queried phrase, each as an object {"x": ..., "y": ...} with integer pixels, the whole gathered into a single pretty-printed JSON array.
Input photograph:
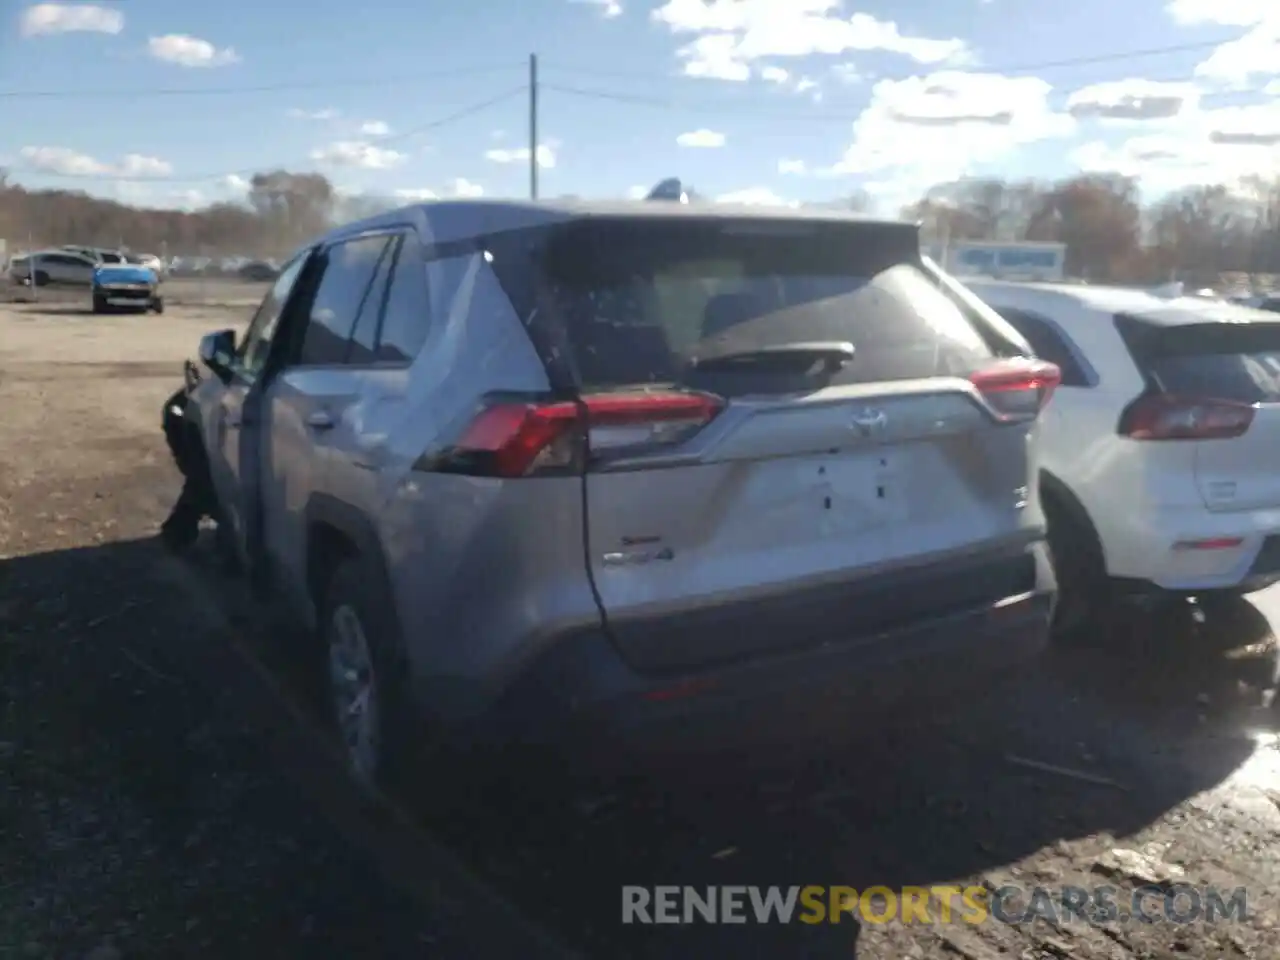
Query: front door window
[{"x": 252, "y": 354}]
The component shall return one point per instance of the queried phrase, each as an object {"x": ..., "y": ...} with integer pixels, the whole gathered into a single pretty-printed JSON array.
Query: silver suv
[{"x": 535, "y": 468}]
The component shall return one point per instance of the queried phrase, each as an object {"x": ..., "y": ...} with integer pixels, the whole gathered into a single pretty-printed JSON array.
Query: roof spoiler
[{"x": 670, "y": 189}]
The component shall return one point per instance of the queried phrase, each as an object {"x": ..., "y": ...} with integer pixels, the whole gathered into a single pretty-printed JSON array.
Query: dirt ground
[{"x": 164, "y": 793}]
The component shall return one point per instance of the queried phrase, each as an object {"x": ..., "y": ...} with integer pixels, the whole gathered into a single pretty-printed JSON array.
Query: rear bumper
[
  {"x": 582, "y": 691},
  {"x": 1194, "y": 549}
]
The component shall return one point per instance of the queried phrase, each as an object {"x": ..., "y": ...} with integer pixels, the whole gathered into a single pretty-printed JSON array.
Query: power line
[
  {"x": 460, "y": 114},
  {"x": 330, "y": 84},
  {"x": 790, "y": 110},
  {"x": 1093, "y": 59},
  {"x": 373, "y": 81}
]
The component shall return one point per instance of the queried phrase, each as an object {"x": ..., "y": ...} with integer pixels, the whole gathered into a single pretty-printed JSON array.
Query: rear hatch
[
  {"x": 1213, "y": 379},
  {"x": 796, "y": 436}
]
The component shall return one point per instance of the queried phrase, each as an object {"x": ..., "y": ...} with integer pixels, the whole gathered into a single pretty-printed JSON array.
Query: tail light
[
  {"x": 1160, "y": 416},
  {"x": 1018, "y": 388},
  {"x": 524, "y": 439}
]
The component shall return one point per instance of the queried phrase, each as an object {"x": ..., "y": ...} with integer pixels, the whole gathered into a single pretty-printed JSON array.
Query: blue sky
[{"x": 792, "y": 100}]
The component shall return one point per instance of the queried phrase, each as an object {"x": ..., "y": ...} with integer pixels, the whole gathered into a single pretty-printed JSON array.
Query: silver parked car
[
  {"x": 534, "y": 468},
  {"x": 53, "y": 267}
]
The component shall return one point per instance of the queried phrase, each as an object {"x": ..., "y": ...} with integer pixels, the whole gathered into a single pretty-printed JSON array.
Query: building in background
[{"x": 1004, "y": 260}]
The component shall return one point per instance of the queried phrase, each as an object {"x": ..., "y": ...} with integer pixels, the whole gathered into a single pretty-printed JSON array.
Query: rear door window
[
  {"x": 1049, "y": 343},
  {"x": 643, "y": 301},
  {"x": 348, "y": 273},
  {"x": 364, "y": 337},
  {"x": 406, "y": 320}
]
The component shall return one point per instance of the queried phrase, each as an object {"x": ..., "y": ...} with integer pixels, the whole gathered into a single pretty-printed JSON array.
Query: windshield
[{"x": 642, "y": 301}]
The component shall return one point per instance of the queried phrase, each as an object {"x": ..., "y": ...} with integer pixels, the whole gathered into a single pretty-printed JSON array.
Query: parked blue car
[{"x": 126, "y": 286}]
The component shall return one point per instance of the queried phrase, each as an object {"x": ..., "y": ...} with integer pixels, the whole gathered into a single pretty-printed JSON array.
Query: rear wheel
[
  {"x": 1085, "y": 592},
  {"x": 364, "y": 676}
]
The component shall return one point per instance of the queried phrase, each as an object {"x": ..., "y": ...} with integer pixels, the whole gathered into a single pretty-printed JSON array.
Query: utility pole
[{"x": 533, "y": 126}]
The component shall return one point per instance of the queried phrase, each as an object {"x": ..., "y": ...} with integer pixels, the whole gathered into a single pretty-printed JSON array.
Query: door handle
[
  {"x": 320, "y": 420},
  {"x": 233, "y": 419}
]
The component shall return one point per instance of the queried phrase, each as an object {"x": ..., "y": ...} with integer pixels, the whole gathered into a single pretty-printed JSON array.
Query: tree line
[
  {"x": 280, "y": 210},
  {"x": 1196, "y": 235},
  {"x": 1199, "y": 235}
]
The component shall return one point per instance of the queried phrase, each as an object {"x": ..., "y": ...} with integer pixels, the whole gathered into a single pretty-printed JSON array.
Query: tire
[
  {"x": 99, "y": 304},
  {"x": 373, "y": 742},
  {"x": 1085, "y": 592},
  {"x": 42, "y": 279},
  {"x": 157, "y": 305}
]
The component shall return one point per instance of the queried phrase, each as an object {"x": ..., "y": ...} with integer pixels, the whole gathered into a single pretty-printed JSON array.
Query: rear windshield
[
  {"x": 1225, "y": 361},
  {"x": 651, "y": 301}
]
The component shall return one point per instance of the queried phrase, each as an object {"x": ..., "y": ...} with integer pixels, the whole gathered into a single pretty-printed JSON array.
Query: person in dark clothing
[
  {"x": 197, "y": 499},
  {"x": 182, "y": 526}
]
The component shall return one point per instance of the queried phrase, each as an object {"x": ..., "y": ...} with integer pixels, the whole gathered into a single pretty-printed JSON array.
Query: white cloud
[
  {"x": 188, "y": 199},
  {"x": 1223, "y": 13},
  {"x": 784, "y": 78},
  {"x": 414, "y": 194},
  {"x": 714, "y": 57},
  {"x": 704, "y": 138},
  {"x": 756, "y": 197},
  {"x": 637, "y": 193},
  {"x": 608, "y": 8},
  {"x": 65, "y": 162},
  {"x": 792, "y": 166},
  {"x": 1235, "y": 64},
  {"x": 848, "y": 73},
  {"x": 374, "y": 128},
  {"x": 235, "y": 183},
  {"x": 462, "y": 187},
  {"x": 730, "y": 34},
  {"x": 328, "y": 113},
  {"x": 47, "y": 18},
  {"x": 546, "y": 155},
  {"x": 927, "y": 130},
  {"x": 186, "y": 51},
  {"x": 357, "y": 153},
  {"x": 137, "y": 165},
  {"x": 1208, "y": 146},
  {"x": 459, "y": 187},
  {"x": 1132, "y": 100}
]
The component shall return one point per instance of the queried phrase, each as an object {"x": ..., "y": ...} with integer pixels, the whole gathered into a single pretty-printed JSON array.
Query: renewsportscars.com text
[{"x": 1179, "y": 903}]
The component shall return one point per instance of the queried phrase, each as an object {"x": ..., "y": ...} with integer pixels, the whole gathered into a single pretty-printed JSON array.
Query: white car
[
  {"x": 1161, "y": 449},
  {"x": 147, "y": 260}
]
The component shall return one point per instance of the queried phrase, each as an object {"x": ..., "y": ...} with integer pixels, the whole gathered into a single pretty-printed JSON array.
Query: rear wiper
[{"x": 834, "y": 353}]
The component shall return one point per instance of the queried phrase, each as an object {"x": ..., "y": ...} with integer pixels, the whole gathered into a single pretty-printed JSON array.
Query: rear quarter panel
[{"x": 485, "y": 572}]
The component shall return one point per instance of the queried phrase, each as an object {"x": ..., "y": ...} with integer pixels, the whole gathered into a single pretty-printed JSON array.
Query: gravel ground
[
  {"x": 154, "y": 800},
  {"x": 159, "y": 799}
]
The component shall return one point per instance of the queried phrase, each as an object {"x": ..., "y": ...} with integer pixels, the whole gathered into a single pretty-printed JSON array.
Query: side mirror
[{"x": 217, "y": 352}]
